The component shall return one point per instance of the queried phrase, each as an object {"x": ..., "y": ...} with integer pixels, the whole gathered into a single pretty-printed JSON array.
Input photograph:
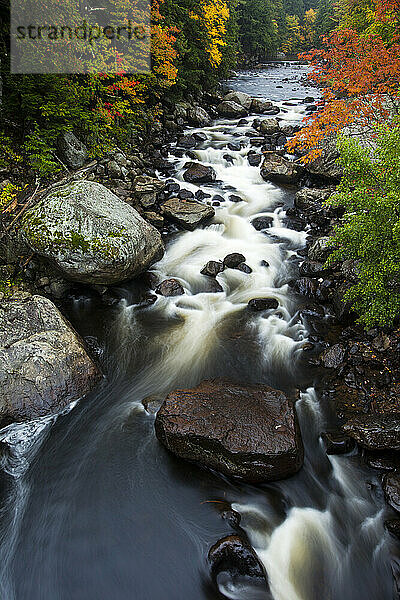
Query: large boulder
[
  {"x": 375, "y": 432},
  {"x": 198, "y": 116},
  {"x": 279, "y": 169},
  {"x": 269, "y": 126},
  {"x": 326, "y": 166},
  {"x": 230, "y": 109},
  {"x": 248, "y": 431},
  {"x": 260, "y": 106},
  {"x": 71, "y": 150},
  {"x": 90, "y": 235},
  {"x": 189, "y": 215},
  {"x": 197, "y": 173},
  {"x": 43, "y": 364},
  {"x": 240, "y": 98}
]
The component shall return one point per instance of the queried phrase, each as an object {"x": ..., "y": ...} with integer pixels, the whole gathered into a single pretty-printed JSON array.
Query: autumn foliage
[{"x": 360, "y": 75}]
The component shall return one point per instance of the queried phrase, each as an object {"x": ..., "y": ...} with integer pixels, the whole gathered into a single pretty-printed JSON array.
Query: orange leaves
[{"x": 360, "y": 74}]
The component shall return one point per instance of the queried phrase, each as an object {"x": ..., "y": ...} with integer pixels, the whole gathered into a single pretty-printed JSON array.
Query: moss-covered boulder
[{"x": 90, "y": 235}]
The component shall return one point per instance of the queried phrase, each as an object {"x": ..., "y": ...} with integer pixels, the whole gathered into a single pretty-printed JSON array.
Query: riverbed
[{"x": 94, "y": 508}]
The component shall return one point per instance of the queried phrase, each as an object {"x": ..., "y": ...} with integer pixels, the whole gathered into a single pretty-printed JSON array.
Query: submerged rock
[
  {"x": 43, "y": 364},
  {"x": 188, "y": 215},
  {"x": 279, "y": 169},
  {"x": 375, "y": 432},
  {"x": 246, "y": 431},
  {"x": 90, "y": 235}
]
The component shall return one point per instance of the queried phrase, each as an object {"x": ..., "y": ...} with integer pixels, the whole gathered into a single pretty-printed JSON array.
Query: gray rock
[
  {"x": 269, "y": 126},
  {"x": 320, "y": 250},
  {"x": 279, "y": 169},
  {"x": 326, "y": 166},
  {"x": 212, "y": 268},
  {"x": 260, "y": 106},
  {"x": 310, "y": 198},
  {"x": 43, "y": 365},
  {"x": 188, "y": 215},
  {"x": 198, "y": 117},
  {"x": 230, "y": 109},
  {"x": 235, "y": 556},
  {"x": 239, "y": 98},
  {"x": 72, "y": 151},
  {"x": 233, "y": 260},
  {"x": 90, "y": 235},
  {"x": 246, "y": 431},
  {"x": 114, "y": 169}
]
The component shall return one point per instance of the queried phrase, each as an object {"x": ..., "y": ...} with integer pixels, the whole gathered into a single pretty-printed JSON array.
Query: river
[{"x": 94, "y": 508}]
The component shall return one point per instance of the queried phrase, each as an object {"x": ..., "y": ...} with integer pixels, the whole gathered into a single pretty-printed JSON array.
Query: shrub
[{"x": 370, "y": 229}]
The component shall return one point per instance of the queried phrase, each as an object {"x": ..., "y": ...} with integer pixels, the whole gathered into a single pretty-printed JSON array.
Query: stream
[{"x": 94, "y": 508}]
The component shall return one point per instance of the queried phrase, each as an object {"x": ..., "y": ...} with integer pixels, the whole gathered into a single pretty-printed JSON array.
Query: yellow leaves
[{"x": 214, "y": 15}]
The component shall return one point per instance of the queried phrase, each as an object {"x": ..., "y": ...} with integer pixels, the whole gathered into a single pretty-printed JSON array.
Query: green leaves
[{"x": 370, "y": 230}]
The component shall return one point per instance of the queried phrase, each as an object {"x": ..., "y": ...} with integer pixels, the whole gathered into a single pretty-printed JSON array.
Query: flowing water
[{"x": 93, "y": 508}]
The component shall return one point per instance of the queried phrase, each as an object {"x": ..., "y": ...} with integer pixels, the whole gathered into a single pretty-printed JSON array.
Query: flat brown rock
[{"x": 248, "y": 431}]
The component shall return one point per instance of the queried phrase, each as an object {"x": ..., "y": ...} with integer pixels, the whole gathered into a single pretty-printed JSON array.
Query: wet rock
[
  {"x": 246, "y": 431},
  {"x": 259, "y": 106},
  {"x": 391, "y": 489},
  {"x": 269, "y": 126},
  {"x": 320, "y": 250},
  {"x": 198, "y": 173},
  {"x": 306, "y": 287},
  {"x": 333, "y": 357},
  {"x": 235, "y": 556},
  {"x": 261, "y": 223},
  {"x": 170, "y": 287},
  {"x": 152, "y": 404},
  {"x": 234, "y": 147},
  {"x": 336, "y": 442},
  {"x": 232, "y": 517},
  {"x": 234, "y": 198},
  {"x": 187, "y": 142},
  {"x": 279, "y": 169},
  {"x": 264, "y": 263},
  {"x": 71, "y": 150},
  {"x": 258, "y": 304},
  {"x": 90, "y": 235},
  {"x": 312, "y": 268},
  {"x": 375, "y": 432},
  {"x": 231, "y": 261},
  {"x": 228, "y": 158},
  {"x": 200, "y": 195},
  {"x": 384, "y": 460},
  {"x": 254, "y": 159},
  {"x": 393, "y": 527},
  {"x": 218, "y": 198},
  {"x": 189, "y": 215},
  {"x": 244, "y": 268},
  {"x": 185, "y": 195},
  {"x": 212, "y": 268},
  {"x": 231, "y": 109},
  {"x": 43, "y": 364},
  {"x": 239, "y": 98}
]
